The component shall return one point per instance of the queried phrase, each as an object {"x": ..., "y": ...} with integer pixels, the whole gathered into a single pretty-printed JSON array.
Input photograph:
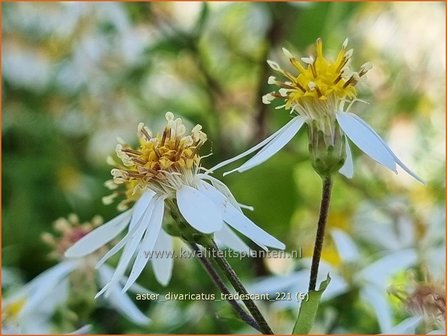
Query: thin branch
[
  {"x": 220, "y": 284},
  {"x": 239, "y": 287},
  {"x": 319, "y": 239}
]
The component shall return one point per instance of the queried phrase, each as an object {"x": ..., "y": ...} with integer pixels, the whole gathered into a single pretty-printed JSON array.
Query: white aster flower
[
  {"x": 317, "y": 96},
  {"x": 371, "y": 280},
  {"x": 30, "y": 309},
  {"x": 163, "y": 175}
]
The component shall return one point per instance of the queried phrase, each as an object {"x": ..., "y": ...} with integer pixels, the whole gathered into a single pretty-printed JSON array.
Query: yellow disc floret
[
  {"x": 160, "y": 163},
  {"x": 317, "y": 79}
]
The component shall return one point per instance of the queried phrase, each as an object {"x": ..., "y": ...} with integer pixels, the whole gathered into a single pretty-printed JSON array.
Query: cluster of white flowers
[{"x": 163, "y": 179}]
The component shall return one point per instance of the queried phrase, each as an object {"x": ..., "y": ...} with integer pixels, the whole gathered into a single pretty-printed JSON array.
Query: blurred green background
[{"x": 78, "y": 75}]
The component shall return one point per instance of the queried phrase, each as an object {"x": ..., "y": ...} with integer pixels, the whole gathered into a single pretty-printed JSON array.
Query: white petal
[
  {"x": 228, "y": 238},
  {"x": 235, "y": 218},
  {"x": 244, "y": 225},
  {"x": 164, "y": 261},
  {"x": 281, "y": 283},
  {"x": 148, "y": 242},
  {"x": 130, "y": 233},
  {"x": 437, "y": 332},
  {"x": 199, "y": 211},
  {"x": 85, "y": 329},
  {"x": 380, "y": 271},
  {"x": 365, "y": 138},
  {"x": 213, "y": 194},
  {"x": 253, "y": 149},
  {"x": 105, "y": 275},
  {"x": 396, "y": 159},
  {"x": 99, "y": 237},
  {"x": 287, "y": 133},
  {"x": 125, "y": 306},
  {"x": 140, "y": 207},
  {"x": 378, "y": 300},
  {"x": 346, "y": 247},
  {"x": 43, "y": 285},
  {"x": 219, "y": 185},
  {"x": 129, "y": 251},
  {"x": 115, "y": 249},
  {"x": 406, "y": 327},
  {"x": 348, "y": 167}
]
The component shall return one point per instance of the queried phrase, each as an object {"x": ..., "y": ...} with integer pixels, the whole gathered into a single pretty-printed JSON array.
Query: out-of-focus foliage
[{"x": 78, "y": 75}]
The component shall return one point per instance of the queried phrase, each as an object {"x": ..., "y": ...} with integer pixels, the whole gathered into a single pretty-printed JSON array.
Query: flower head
[
  {"x": 163, "y": 177},
  {"x": 316, "y": 97},
  {"x": 318, "y": 80},
  {"x": 425, "y": 299},
  {"x": 69, "y": 231},
  {"x": 162, "y": 163},
  {"x": 69, "y": 283}
]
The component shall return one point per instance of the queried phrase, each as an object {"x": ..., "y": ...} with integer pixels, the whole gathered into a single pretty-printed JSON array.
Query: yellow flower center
[
  {"x": 318, "y": 78},
  {"x": 160, "y": 162}
]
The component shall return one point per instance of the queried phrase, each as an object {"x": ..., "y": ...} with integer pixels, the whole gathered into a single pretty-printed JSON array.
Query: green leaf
[{"x": 308, "y": 309}]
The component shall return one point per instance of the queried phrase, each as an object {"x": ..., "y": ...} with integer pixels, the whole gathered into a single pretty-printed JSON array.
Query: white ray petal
[
  {"x": 85, "y": 329},
  {"x": 148, "y": 242},
  {"x": 105, "y": 275},
  {"x": 244, "y": 225},
  {"x": 129, "y": 251},
  {"x": 253, "y": 149},
  {"x": 396, "y": 159},
  {"x": 213, "y": 194},
  {"x": 348, "y": 167},
  {"x": 140, "y": 207},
  {"x": 227, "y": 237},
  {"x": 379, "y": 272},
  {"x": 110, "y": 253},
  {"x": 163, "y": 264},
  {"x": 130, "y": 233},
  {"x": 366, "y": 139},
  {"x": 346, "y": 247},
  {"x": 274, "y": 146},
  {"x": 407, "y": 326},
  {"x": 377, "y": 298},
  {"x": 199, "y": 211},
  {"x": 99, "y": 237},
  {"x": 281, "y": 283},
  {"x": 219, "y": 185},
  {"x": 125, "y": 306},
  {"x": 236, "y": 219},
  {"x": 42, "y": 286}
]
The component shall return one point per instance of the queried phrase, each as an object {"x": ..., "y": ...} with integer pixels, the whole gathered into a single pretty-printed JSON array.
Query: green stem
[
  {"x": 239, "y": 287},
  {"x": 319, "y": 239},
  {"x": 220, "y": 284}
]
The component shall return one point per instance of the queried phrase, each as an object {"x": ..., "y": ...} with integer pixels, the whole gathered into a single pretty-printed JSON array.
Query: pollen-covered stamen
[
  {"x": 346, "y": 59},
  {"x": 353, "y": 80},
  {"x": 364, "y": 69},
  {"x": 143, "y": 131}
]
